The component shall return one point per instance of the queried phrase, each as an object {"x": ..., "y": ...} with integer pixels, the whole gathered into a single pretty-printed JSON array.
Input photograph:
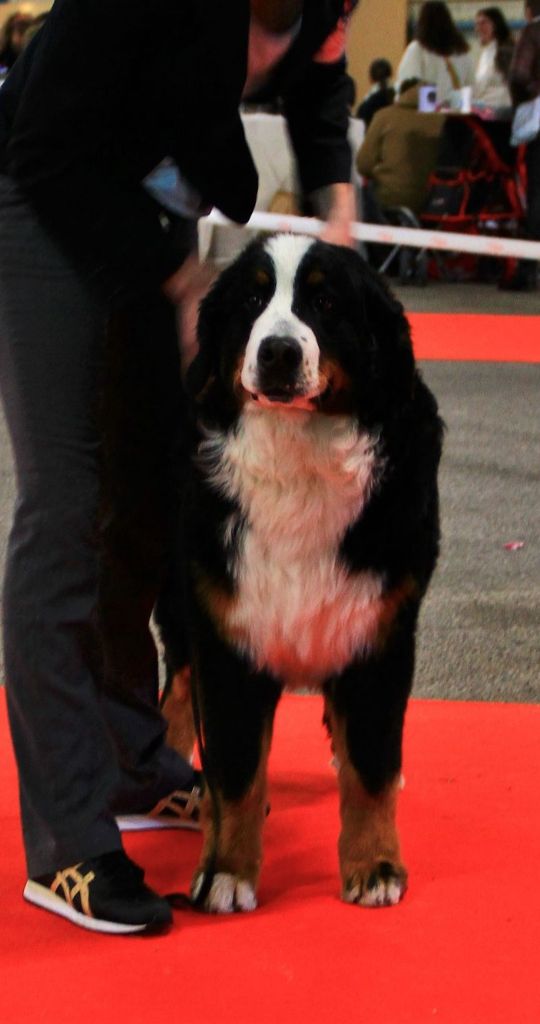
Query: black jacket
[
  {"x": 108, "y": 88},
  {"x": 524, "y": 74},
  {"x": 377, "y": 101}
]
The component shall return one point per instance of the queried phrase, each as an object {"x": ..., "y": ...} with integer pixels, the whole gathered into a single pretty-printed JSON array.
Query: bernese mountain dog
[{"x": 311, "y": 535}]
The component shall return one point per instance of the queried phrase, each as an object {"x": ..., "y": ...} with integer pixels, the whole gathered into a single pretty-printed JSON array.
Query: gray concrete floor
[
  {"x": 467, "y": 298},
  {"x": 480, "y": 625}
]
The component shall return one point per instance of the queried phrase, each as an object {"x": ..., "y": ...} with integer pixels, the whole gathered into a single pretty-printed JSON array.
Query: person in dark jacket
[
  {"x": 91, "y": 275},
  {"x": 381, "y": 93},
  {"x": 524, "y": 82}
]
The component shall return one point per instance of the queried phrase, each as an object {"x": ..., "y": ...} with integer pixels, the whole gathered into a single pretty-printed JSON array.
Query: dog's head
[{"x": 294, "y": 324}]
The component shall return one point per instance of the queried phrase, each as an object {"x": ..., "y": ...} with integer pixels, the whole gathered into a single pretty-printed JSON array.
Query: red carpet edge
[{"x": 469, "y": 336}]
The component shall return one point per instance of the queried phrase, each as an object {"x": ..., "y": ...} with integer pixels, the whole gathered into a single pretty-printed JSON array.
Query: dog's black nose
[{"x": 279, "y": 354}]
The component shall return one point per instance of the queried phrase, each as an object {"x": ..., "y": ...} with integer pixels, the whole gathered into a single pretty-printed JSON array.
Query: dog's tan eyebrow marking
[
  {"x": 315, "y": 277},
  {"x": 262, "y": 277}
]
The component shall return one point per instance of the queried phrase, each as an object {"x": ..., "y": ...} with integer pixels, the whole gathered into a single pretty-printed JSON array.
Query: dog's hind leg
[
  {"x": 237, "y": 710},
  {"x": 365, "y": 709}
]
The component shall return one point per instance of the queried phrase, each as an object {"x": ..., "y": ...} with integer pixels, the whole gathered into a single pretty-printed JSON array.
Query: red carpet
[
  {"x": 514, "y": 339},
  {"x": 462, "y": 948}
]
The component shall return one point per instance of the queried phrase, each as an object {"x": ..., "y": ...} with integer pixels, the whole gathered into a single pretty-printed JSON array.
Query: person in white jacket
[
  {"x": 496, "y": 47},
  {"x": 439, "y": 54}
]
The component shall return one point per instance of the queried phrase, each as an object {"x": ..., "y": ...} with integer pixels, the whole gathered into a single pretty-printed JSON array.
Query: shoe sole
[
  {"x": 42, "y": 897},
  {"x": 143, "y": 823}
]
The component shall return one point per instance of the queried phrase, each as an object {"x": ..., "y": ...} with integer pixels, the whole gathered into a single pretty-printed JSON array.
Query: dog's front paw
[
  {"x": 228, "y": 893},
  {"x": 383, "y": 885}
]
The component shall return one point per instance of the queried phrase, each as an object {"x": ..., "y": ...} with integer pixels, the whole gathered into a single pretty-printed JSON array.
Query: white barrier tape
[{"x": 416, "y": 238}]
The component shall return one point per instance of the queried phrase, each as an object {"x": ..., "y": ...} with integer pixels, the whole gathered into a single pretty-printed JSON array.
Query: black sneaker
[
  {"x": 104, "y": 894},
  {"x": 179, "y": 809}
]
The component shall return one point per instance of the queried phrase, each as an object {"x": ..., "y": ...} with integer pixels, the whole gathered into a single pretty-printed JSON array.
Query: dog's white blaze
[
  {"x": 300, "y": 479},
  {"x": 286, "y": 252}
]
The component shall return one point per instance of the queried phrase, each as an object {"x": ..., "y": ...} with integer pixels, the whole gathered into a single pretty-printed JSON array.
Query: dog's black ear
[
  {"x": 204, "y": 369},
  {"x": 216, "y": 312},
  {"x": 386, "y": 330}
]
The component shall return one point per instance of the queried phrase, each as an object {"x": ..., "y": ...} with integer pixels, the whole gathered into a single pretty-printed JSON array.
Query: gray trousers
[{"x": 93, "y": 403}]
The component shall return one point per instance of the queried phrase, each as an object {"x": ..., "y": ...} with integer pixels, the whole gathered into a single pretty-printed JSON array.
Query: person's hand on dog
[
  {"x": 192, "y": 276},
  {"x": 186, "y": 288},
  {"x": 337, "y": 205}
]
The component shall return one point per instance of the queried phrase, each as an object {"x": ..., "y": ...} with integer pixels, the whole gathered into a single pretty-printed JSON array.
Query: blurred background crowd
[
  {"x": 479, "y": 40},
  {"x": 412, "y": 65}
]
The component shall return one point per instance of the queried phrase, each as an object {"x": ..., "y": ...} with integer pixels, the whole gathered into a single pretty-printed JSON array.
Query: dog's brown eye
[
  {"x": 323, "y": 302},
  {"x": 254, "y": 302}
]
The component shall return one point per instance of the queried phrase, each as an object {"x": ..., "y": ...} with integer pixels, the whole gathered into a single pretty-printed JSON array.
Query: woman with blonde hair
[{"x": 439, "y": 54}]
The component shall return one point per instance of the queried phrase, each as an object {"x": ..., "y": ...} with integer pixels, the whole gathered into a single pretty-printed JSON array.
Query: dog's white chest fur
[{"x": 300, "y": 479}]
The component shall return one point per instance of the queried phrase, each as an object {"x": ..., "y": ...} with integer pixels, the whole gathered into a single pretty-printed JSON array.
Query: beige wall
[{"x": 377, "y": 30}]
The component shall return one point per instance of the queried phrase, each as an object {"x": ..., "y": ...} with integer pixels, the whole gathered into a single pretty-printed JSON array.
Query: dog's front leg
[
  {"x": 365, "y": 710},
  {"x": 237, "y": 708},
  {"x": 232, "y": 850}
]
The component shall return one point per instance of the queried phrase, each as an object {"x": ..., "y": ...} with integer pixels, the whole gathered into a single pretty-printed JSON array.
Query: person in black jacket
[
  {"x": 91, "y": 275},
  {"x": 381, "y": 93}
]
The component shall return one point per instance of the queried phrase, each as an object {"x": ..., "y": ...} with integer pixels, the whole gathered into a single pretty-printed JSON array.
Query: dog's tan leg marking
[
  {"x": 178, "y": 712},
  {"x": 372, "y": 874},
  {"x": 239, "y": 845}
]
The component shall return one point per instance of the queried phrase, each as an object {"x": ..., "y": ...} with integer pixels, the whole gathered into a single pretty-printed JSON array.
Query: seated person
[{"x": 400, "y": 151}]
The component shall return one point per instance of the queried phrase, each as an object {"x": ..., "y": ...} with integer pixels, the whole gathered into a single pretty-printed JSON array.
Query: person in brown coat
[{"x": 400, "y": 150}]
